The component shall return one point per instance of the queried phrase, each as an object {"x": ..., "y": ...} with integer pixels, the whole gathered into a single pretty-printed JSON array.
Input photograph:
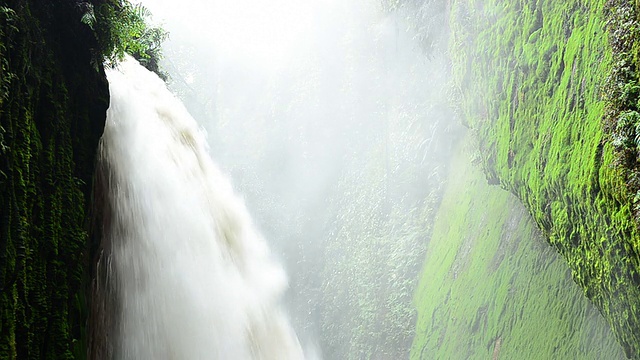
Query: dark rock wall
[{"x": 53, "y": 98}]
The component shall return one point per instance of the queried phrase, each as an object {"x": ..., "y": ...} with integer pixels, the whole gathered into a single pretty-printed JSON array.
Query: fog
[{"x": 332, "y": 117}]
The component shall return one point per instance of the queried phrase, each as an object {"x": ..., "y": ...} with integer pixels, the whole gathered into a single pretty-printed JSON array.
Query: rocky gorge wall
[{"x": 53, "y": 98}]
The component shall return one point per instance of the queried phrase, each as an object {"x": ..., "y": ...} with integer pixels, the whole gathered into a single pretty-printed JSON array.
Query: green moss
[
  {"x": 532, "y": 75},
  {"x": 51, "y": 116},
  {"x": 491, "y": 287}
]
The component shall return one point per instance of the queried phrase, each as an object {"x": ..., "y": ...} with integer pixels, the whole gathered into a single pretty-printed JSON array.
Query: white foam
[{"x": 194, "y": 279}]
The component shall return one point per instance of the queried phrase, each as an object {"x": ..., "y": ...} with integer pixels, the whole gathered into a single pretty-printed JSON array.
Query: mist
[
  {"x": 319, "y": 179},
  {"x": 332, "y": 118}
]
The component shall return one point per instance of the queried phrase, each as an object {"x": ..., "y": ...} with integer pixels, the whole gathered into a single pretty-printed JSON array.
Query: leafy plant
[
  {"x": 6, "y": 18},
  {"x": 124, "y": 28},
  {"x": 6, "y": 76},
  {"x": 627, "y": 130}
]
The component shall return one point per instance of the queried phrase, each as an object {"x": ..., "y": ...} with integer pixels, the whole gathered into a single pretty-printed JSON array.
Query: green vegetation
[
  {"x": 492, "y": 288},
  {"x": 531, "y": 77},
  {"x": 51, "y": 117},
  {"x": 123, "y": 28},
  {"x": 6, "y": 19},
  {"x": 53, "y": 101},
  {"x": 381, "y": 210},
  {"x": 371, "y": 267},
  {"x": 622, "y": 120}
]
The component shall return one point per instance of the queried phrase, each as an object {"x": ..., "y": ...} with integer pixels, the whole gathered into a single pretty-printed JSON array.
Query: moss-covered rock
[
  {"x": 52, "y": 111},
  {"x": 492, "y": 289},
  {"x": 532, "y": 77}
]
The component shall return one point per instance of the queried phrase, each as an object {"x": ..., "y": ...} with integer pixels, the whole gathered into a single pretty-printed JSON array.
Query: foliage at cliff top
[{"x": 125, "y": 28}]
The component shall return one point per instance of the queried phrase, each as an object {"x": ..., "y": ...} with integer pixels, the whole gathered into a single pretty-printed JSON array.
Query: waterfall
[{"x": 182, "y": 273}]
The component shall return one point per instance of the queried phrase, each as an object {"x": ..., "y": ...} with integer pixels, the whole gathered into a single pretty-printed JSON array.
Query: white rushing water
[
  {"x": 186, "y": 273},
  {"x": 323, "y": 111}
]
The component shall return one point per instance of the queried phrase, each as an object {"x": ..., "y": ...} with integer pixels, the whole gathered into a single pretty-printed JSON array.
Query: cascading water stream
[{"x": 183, "y": 274}]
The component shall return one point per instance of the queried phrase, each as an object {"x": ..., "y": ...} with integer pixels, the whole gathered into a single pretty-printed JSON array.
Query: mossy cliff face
[
  {"x": 532, "y": 76},
  {"x": 491, "y": 288},
  {"x": 52, "y": 112}
]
